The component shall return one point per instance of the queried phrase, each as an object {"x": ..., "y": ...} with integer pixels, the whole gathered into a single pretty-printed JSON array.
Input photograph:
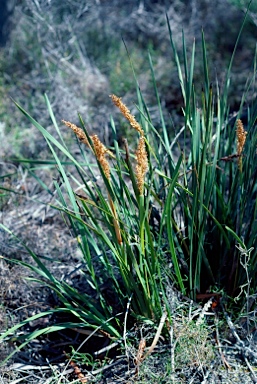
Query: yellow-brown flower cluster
[
  {"x": 99, "y": 148},
  {"x": 141, "y": 165},
  {"x": 100, "y": 152},
  {"x": 141, "y": 154},
  {"x": 78, "y": 132},
  {"x": 241, "y": 136},
  {"x": 126, "y": 113}
]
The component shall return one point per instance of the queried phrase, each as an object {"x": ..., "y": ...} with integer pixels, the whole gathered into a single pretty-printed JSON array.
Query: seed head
[
  {"x": 141, "y": 165},
  {"x": 78, "y": 132},
  {"x": 241, "y": 136},
  {"x": 100, "y": 152},
  {"x": 126, "y": 113}
]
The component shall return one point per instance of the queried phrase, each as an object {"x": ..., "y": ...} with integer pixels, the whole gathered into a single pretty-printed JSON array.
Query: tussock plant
[{"x": 157, "y": 210}]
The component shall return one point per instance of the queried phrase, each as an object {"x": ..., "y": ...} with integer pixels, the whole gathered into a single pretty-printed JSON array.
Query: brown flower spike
[
  {"x": 100, "y": 152},
  {"x": 78, "y": 132},
  {"x": 126, "y": 113},
  {"x": 100, "y": 149},
  {"x": 141, "y": 165},
  {"x": 241, "y": 137}
]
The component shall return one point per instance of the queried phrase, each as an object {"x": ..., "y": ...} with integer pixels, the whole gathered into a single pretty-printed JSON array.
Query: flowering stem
[
  {"x": 142, "y": 228},
  {"x": 115, "y": 220}
]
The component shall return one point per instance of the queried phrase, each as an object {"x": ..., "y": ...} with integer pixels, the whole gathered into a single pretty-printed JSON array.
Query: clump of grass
[
  {"x": 156, "y": 218},
  {"x": 193, "y": 345},
  {"x": 100, "y": 152}
]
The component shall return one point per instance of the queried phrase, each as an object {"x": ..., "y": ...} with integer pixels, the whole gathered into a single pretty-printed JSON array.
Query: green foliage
[
  {"x": 109, "y": 54},
  {"x": 243, "y": 4},
  {"x": 120, "y": 71},
  {"x": 192, "y": 344},
  {"x": 196, "y": 207}
]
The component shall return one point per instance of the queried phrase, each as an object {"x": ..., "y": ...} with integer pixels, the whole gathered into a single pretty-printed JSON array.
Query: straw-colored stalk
[
  {"x": 126, "y": 113},
  {"x": 115, "y": 220},
  {"x": 241, "y": 137},
  {"x": 141, "y": 164},
  {"x": 100, "y": 152},
  {"x": 140, "y": 353}
]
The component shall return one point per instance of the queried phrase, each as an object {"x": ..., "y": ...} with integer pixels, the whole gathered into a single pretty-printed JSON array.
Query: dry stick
[
  {"x": 83, "y": 342},
  {"x": 226, "y": 364},
  {"x": 244, "y": 349},
  {"x": 105, "y": 367},
  {"x": 254, "y": 377},
  {"x": 245, "y": 264},
  {"x": 106, "y": 349},
  {"x": 125, "y": 328},
  {"x": 157, "y": 336},
  {"x": 77, "y": 371},
  {"x": 140, "y": 354},
  {"x": 172, "y": 351}
]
